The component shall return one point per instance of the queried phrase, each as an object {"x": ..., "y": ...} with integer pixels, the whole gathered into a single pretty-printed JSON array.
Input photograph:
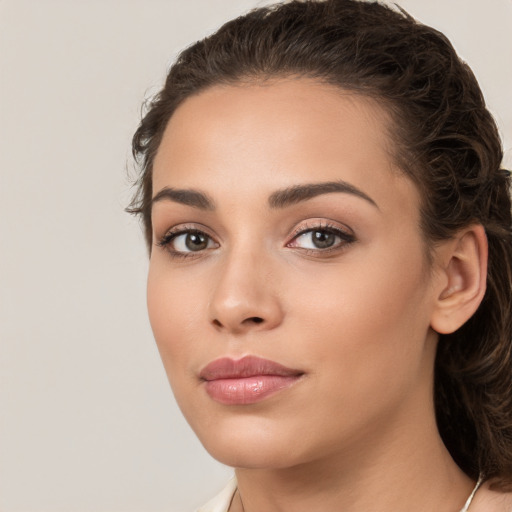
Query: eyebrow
[
  {"x": 298, "y": 193},
  {"x": 279, "y": 199},
  {"x": 188, "y": 197}
]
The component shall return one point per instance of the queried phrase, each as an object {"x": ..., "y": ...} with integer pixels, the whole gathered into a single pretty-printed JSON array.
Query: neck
[{"x": 405, "y": 467}]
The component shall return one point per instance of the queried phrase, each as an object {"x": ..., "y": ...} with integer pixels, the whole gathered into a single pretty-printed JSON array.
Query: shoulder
[{"x": 490, "y": 500}]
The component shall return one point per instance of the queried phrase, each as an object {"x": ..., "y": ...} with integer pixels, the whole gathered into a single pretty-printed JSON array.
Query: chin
[
  {"x": 253, "y": 445},
  {"x": 236, "y": 455}
]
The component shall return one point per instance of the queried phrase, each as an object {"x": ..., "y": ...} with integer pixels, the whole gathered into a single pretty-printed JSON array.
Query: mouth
[{"x": 246, "y": 381}]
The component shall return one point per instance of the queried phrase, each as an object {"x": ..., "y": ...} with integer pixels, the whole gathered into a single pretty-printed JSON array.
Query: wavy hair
[{"x": 444, "y": 139}]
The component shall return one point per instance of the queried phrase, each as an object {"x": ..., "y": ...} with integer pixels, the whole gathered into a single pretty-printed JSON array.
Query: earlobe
[{"x": 462, "y": 279}]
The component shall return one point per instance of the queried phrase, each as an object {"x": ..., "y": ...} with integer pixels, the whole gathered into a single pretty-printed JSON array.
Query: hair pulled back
[{"x": 445, "y": 141}]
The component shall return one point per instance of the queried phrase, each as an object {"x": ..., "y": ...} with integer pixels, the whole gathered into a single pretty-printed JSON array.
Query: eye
[
  {"x": 318, "y": 239},
  {"x": 184, "y": 242},
  {"x": 321, "y": 238}
]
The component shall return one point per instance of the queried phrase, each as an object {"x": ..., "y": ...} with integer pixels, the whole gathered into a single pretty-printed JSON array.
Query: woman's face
[{"x": 284, "y": 233}]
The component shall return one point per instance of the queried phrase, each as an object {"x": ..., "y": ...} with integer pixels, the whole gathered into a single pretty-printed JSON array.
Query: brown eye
[
  {"x": 187, "y": 241},
  {"x": 317, "y": 239},
  {"x": 195, "y": 241},
  {"x": 322, "y": 239}
]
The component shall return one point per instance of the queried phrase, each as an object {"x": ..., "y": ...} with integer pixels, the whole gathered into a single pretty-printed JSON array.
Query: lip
[{"x": 246, "y": 381}]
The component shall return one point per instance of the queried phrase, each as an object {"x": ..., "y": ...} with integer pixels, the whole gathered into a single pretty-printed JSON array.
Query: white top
[{"x": 222, "y": 501}]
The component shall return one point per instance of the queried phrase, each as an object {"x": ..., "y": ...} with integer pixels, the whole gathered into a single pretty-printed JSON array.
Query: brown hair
[{"x": 446, "y": 142}]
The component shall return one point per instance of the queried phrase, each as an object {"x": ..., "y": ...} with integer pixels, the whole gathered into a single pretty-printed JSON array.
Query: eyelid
[
  {"x": 184, "y": 227},
  {"x": 322, "y": 224}
]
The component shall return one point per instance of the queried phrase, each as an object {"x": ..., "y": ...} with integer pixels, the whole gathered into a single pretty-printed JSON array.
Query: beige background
[{"x": 87, "y": 421}]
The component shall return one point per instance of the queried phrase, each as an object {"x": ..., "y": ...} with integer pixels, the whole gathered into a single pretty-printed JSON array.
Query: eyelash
[{"x": 345, "y": 237}]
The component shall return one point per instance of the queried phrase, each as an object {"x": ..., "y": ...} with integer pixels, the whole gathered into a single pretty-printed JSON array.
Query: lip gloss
[{"x": 246, "y": 381}]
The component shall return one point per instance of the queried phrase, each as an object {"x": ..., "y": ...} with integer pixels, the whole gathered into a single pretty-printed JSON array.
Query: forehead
[{"x": 258, "y": 137}]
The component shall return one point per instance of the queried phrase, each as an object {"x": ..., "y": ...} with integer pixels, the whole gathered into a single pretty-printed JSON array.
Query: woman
[{"x": 331, "y": 261}]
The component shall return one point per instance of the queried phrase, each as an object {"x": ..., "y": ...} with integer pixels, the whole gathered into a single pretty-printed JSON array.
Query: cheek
[
  {"x": 362, "y": 331},
  {"x": 175, "y": 306},
  {"x": 369, "y": 316}
]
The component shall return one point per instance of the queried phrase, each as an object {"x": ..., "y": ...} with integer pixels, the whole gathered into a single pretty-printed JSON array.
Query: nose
[{"x": 245, "y": 296}]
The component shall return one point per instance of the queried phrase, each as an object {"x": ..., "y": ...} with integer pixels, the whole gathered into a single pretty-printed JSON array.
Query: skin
[{"x": 358, "y": 428}]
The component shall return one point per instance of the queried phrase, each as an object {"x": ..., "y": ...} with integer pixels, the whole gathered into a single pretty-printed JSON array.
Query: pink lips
[{"x": 247, "y": 380}]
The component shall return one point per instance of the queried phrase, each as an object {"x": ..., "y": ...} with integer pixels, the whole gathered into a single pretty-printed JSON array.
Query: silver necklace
[{"x": 472, "y": 495}]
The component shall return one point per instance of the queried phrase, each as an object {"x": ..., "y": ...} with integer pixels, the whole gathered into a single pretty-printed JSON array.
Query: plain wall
[{"x": 87, "y": 419}]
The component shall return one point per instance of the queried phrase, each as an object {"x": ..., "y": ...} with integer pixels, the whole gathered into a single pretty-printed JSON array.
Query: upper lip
[{"x": 248, "y": 366}]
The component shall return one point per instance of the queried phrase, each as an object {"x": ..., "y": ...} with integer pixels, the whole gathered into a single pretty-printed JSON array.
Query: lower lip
[{"x": 248, "y": 390}]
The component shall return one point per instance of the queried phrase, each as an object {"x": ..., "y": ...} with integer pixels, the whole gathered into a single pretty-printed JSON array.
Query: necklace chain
[{"x": 471, "y": 496}]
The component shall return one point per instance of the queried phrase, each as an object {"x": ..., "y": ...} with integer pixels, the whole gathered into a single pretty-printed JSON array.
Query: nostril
[{"x": 251, "y": 320}]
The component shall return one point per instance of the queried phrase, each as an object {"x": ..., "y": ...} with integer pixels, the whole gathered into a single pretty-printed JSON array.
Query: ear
[{"x": 462, "y": 266}]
